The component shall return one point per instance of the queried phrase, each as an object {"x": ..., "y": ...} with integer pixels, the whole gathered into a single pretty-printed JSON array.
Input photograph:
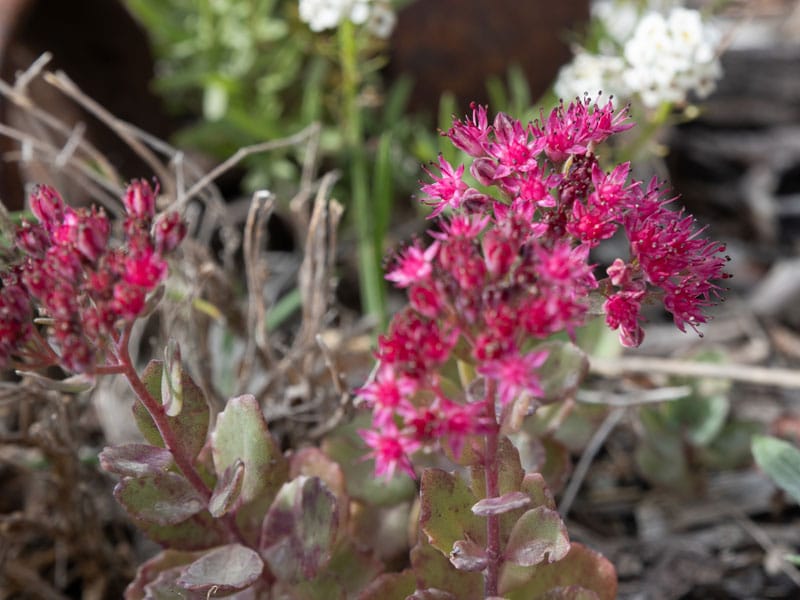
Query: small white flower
[
  {"x": 322, "y": 14},
  {"x": 590, "y": 74},
  {"x": 328, "y": 14},
  {"x": 381, "y": 21}
]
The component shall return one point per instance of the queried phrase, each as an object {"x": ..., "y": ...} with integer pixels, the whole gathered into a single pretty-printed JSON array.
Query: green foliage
[
  {"x": 190, "y": 426},
  {"x": 683, "y": 437},
  {"x": 781, "y": 461},
  {"x": 581, "y": 566}
]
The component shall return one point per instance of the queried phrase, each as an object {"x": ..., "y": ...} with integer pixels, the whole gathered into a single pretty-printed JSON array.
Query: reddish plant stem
[
  {"x": 159, "y": 415},
  {"x": 491, "y": 468}
]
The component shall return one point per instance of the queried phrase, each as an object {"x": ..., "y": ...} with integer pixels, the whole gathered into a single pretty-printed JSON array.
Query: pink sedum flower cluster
[
  {"x": 510, "y": 268},
  {"x": 62, "y": 267}
]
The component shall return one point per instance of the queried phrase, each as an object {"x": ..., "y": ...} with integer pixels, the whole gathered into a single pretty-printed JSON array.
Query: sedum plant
[
  {"x": 476, "y": 350},
  {"x": 473, "y": 353}
]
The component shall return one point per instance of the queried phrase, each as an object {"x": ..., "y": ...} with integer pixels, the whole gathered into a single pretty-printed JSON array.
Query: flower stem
[
  {"x": 369, "y": 252},
  {"x": 184, "y": 462},
  {"x": 491, "y": 468}
]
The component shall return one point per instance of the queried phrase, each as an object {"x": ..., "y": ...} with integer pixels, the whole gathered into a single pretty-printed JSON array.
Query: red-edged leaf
[
  {"x": 539, "y": 535},
  {"x": 226, "y": 569},
  {"x": 227, "y": 490},
  {"x": 135, "y": 460},
  {"x": 162, "y": 499},
  {"x": 501, "y": 504}
]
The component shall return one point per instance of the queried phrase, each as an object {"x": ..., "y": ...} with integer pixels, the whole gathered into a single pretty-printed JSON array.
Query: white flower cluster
[
  {"x": 659, "y": 59},
  {"x": 320, "y": 15}
]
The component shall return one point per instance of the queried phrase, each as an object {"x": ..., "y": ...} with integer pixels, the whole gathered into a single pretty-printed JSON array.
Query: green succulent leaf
[
  {"x": 171, "y": 378},
  {"x": 501, "y": 504},
  {"x": 199, "y": 532},
  {"x": 190, "y": 426},
  {"x": 225, "y": 570},
  {"x": 390, "y": 586},
  {"x": 300, "y": 529},
  {"x": 227, "y": 490},
  {"x": 539, "y": 535},
  {"x": 571, "y": 592},
  {"x": 446, "y": 510},
  {"x": 433, "y": 570},
  {"x": 563, "y": 371},
  {"x": 162, "y": 499},
  {"x": 580, "y": 567},
  {"x": 350, "y": 571},
  {"x": 781, "y": 461},
  {"x": 150, "y": 569},
  {"x": 468, "y": 556},
  {"x": 241, "y": 434},
  {"x": 135, "y": 460}
]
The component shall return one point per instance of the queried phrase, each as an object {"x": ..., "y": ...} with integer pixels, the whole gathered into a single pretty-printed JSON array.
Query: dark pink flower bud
[
  {"x": 140, "y": 200},
  {"x": 169, "y": 231},
  {"x": 48, "y": 207},
  {"x": 145, "y": 269},
  {"x": 128, "y": 301},
  {"x": 32, "y": 239},
  {"x": 92, "y": 236},
  {"x": 76, "y": 354},
  {"x": 499, "y": 253}
]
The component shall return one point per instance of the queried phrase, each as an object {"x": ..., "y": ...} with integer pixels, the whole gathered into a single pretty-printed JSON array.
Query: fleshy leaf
[
  {"x": 390, "y": 586},
  {"x": 227, "y": 490},
  {"x": 581, "y": 566},
  {"x": 190, "y": 427},
  {"x": 535, "y": 486},
  {"x": 781, "y": 461},
  {"x": 349, "y": 571},
  {"x": 468, "y": 556},
  {"x": 562, "y": 373},
  {"x": 510, "y": 473},
  {"x": 539, "y": 535},
  {"x": 300, "y": 529},
  {"x": 198, "y": 532},
  {"x": 241, "y": 434},
  {"x": 446, "y": 510},
  {"x": 165, "y": 587},
  {"x": 433, "y": 570},
  {"x": 226, "y": 569},
  {"x": 431, "y": 594},
  {"x": 135, "y": 460},
  {"x": 150, "y": 569},
  {"x": 163, "y": 499},
  {"x": 501, "y": 504},
  {"x": 548, "y": 456},
  {"x": 313, "y": 462},
  {"x": 171, "y": 376},
  {"x": 572, "y": 592}
]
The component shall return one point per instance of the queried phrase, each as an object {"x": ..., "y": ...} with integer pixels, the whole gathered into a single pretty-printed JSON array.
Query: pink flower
[
  {"x": 622, "y": 312},
  {"x": 515, "y": 374},
  {"x": 413, "y": 265},
  {"x": 386, "y": 393},
  {"x": 65, "y": 268},
  {"x": 458, "y": 421},
  {"x": 140, "y": 200},
  {"x": 513, "y": 267},
  {"x": 48, "y": 207},
  {"x": 168, "y": 232},
  {"x": 145, "y": 269},
  {"x": 470, "y": 135},
  {"x": 448, "y": 190},
  {"x": 390, "y": 448}
]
